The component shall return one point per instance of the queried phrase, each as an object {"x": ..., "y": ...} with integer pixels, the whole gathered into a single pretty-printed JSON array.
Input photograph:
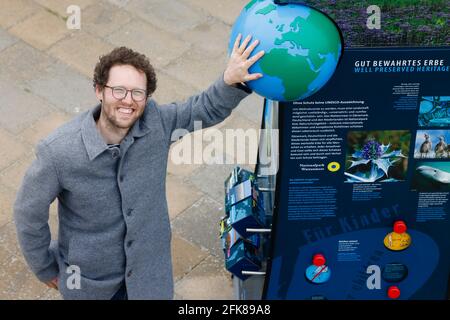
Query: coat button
[
  {"x": 129, "y": 212},
  {"x": 129, "y": 243},
  {"x": 121, "y": 178},
  {"x": 129, "y": 273}
]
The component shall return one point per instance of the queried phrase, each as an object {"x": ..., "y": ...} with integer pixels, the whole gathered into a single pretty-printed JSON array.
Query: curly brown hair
[{"x": 124, "y": 56}]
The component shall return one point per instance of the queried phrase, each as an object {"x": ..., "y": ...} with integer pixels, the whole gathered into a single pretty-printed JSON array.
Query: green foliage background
[{"x": 403, "y": 22}]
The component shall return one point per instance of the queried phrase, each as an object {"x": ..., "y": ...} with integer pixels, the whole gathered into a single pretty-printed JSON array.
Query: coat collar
[{"x": 94, "y": 142}]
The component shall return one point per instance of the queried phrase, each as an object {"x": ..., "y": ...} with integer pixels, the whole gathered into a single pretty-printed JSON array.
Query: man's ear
[{"x": 99, "y": 92}]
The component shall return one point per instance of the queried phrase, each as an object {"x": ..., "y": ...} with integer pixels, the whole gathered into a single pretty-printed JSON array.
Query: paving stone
[
  {"x": 54, "y": 208},
  {"x": 248, "y": 114},
  {"x": 65, "y": 88},
  {"x": 197, "y": 69},
  {"x": 208, "y": 281},
  {"x": 8, "y": 235},
  {"x": 103, "y": 19},
  {"x": 21, "y": 109},
  {"x": 12, "y": 176},
  {"x": 51, "y": 294},
  {"x": 6, "y": 39},
  {"x": 170, "y": 89},
  {"x": 5, "y": 255},
  {"x": 189, "y": 148},
  {"x": 8, "y": 241},
  {"x": 159, "y": 46},
  {"x": 81, "y": 51},
  {"x": 41, "y": 30},
  {"x": 18, "y": 282},
  {"x": 13, "y": 11},
  {"x": 210, "y": 179},
  {"x": 214, "y": 144},
  {"x": 185, "y": 256},
  {"x": 227, "y": 11},
  {"x": 236, "y": 130},
  {"x": 236, "y": 120},
  {"x": 11, "y": 149},
  {"x": 251, "y": 108},
  {"x": 53, "y": 220},
  {"x": 180, "y": 196},
  {"x": 43, "y": 127},
  {"x": 176, "y": 296},
  {"x": 210, "y": 37},
  {"x": 5, "y": 218},
  {"x": 200, "y": 225},
  {"x": 7, "y": 198},
  {"x": 22, "y": 62},
  {"x": 193, "y": 151},
  {"x": 172, "y": 16},
  {"x": 59, "y": 7},
  {"x": 119, "y": 3},
  {"x": 176, "y": 168}
]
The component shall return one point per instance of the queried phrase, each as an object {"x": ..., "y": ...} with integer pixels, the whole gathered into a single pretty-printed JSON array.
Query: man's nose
[{"x": 128, "y": 99}]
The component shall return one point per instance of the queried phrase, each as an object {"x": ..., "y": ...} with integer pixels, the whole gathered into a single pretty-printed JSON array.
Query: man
[{"x": 107, "y": 167}]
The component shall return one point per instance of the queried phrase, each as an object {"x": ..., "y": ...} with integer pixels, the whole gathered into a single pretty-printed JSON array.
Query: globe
[{"x": 302, "y": 48}]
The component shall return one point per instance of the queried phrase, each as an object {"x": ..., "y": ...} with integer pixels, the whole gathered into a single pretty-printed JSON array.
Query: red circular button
[
  {"x": 400, "y": 227},
  {"x": 393, "y": 292},
  {"x": 319, "y": 260}
]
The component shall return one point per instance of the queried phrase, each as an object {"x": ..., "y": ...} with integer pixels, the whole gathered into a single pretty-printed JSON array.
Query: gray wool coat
[{"x": 112, "y": 208}]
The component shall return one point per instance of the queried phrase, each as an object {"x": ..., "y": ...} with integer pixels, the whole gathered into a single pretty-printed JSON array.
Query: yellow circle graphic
[
  {"x": 334, "y": 166},
  {"x": 397, "y": 241}
]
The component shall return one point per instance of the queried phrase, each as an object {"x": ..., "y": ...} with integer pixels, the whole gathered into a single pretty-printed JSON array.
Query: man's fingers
[
  {"x": 253, "y": 76},
  {"x": 255, "y": 58},
  {"x": 244, "y": 44},
  {"x": 51, "y": 285},
  {"x": 237, "y": 42},
  {"x": 249, "y": 50}
]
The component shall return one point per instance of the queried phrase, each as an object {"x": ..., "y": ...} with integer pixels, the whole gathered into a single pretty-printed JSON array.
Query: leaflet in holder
[
  {"x": 240, "y": 192},
  {"x": 232, "y": 195},
  {"x": 230, "y": 237},
  {"x": 246, "y": 214},
  {"x": 240, "y": 254},
  {"x": 243, "y": 256}
]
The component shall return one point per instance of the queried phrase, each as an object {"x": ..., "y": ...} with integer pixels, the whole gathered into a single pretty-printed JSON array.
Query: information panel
[{"x": 363, "y": 189}]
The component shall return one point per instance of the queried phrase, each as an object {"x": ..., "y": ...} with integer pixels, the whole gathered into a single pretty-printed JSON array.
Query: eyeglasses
[{"x": 121, "y": 93}]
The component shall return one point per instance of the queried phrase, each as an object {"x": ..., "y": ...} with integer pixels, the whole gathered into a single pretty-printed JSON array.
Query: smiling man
[{"x": 107, "y": 168}]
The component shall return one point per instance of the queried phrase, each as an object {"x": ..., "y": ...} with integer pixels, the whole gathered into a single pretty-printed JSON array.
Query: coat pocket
[{"x": 97, "y": 258}]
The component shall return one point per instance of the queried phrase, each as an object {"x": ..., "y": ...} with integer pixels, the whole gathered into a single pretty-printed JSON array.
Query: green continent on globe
[
  {"x": 302, "y": 35},
  {"x": 252, "y": 3},
  {"x": 294, "y": 84},
  {"x": 266, "y": 10},
  {"x": 308, "y": 31}
]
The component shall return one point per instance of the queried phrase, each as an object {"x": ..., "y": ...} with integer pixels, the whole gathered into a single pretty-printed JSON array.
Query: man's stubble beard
[{"x": 111, "y": 122}]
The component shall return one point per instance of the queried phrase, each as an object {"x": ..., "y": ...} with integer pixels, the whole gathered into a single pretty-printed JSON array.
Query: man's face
[{"x": 125, "y": 112}]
